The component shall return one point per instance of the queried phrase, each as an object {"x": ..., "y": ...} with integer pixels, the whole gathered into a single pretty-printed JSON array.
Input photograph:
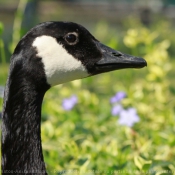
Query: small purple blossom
[
  {"x": 69, "y": 103},
  {"x": 116, "y": 109},
  {"x": 118, "y": 97},
  {"x": 128, "y": 117},
  {"x": 1, "y": 91}
]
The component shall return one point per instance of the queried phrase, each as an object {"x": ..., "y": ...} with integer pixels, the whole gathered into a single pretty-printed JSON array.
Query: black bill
[{"x": 114, "y": 60}]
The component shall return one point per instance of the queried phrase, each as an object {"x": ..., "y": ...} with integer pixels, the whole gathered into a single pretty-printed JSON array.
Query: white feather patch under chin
[{"x": 59, "y": 65}]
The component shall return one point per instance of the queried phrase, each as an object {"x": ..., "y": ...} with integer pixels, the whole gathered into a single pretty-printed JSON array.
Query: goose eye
[{"x": 71, "y": 38}]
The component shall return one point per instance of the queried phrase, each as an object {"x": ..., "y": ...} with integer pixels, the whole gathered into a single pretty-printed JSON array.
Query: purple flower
[
  {"x": 1, "y": 91},
  {"x": 118, "y": 97},
  {"x": 69, "y": 103},
  {"x": 128, "y": 117},
  {"x": 116, "y": 109}
]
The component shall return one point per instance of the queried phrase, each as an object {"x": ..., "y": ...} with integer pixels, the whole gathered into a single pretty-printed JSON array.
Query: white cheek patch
[{"x": 59, "y": 65}]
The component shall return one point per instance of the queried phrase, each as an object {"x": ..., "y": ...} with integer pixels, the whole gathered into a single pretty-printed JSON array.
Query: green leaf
[
  {"x": 1, "y": 28},
  {"x": 140, "y": 162}
]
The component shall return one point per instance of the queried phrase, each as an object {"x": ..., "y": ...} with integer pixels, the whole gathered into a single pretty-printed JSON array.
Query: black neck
[{"x": 21, "y": 140}]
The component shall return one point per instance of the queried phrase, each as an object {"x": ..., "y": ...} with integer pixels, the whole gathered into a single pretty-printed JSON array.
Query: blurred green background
[{"x": 88, "y": 139}]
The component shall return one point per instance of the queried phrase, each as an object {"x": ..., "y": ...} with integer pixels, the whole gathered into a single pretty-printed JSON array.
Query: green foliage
[{"x": 88, "y": 140}]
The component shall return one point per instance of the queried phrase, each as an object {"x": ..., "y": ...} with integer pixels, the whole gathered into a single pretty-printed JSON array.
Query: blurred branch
[
  {"x": 2, "y": 50},
  {"x": 17, "y": 23}
]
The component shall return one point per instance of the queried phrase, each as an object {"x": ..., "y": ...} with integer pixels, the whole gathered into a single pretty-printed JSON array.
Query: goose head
[
  {"x": 58, "y": 52},
  {"x": 49, "y": 54}
]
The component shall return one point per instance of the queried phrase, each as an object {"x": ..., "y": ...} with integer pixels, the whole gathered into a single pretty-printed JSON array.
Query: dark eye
[{"x": 71, "y": 38}]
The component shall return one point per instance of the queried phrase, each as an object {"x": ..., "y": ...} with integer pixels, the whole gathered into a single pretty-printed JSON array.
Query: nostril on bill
[{"x": 116, "y": 54}]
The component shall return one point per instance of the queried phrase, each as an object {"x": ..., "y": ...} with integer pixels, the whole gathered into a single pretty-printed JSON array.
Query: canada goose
[{"x": 51, "y": 53}]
